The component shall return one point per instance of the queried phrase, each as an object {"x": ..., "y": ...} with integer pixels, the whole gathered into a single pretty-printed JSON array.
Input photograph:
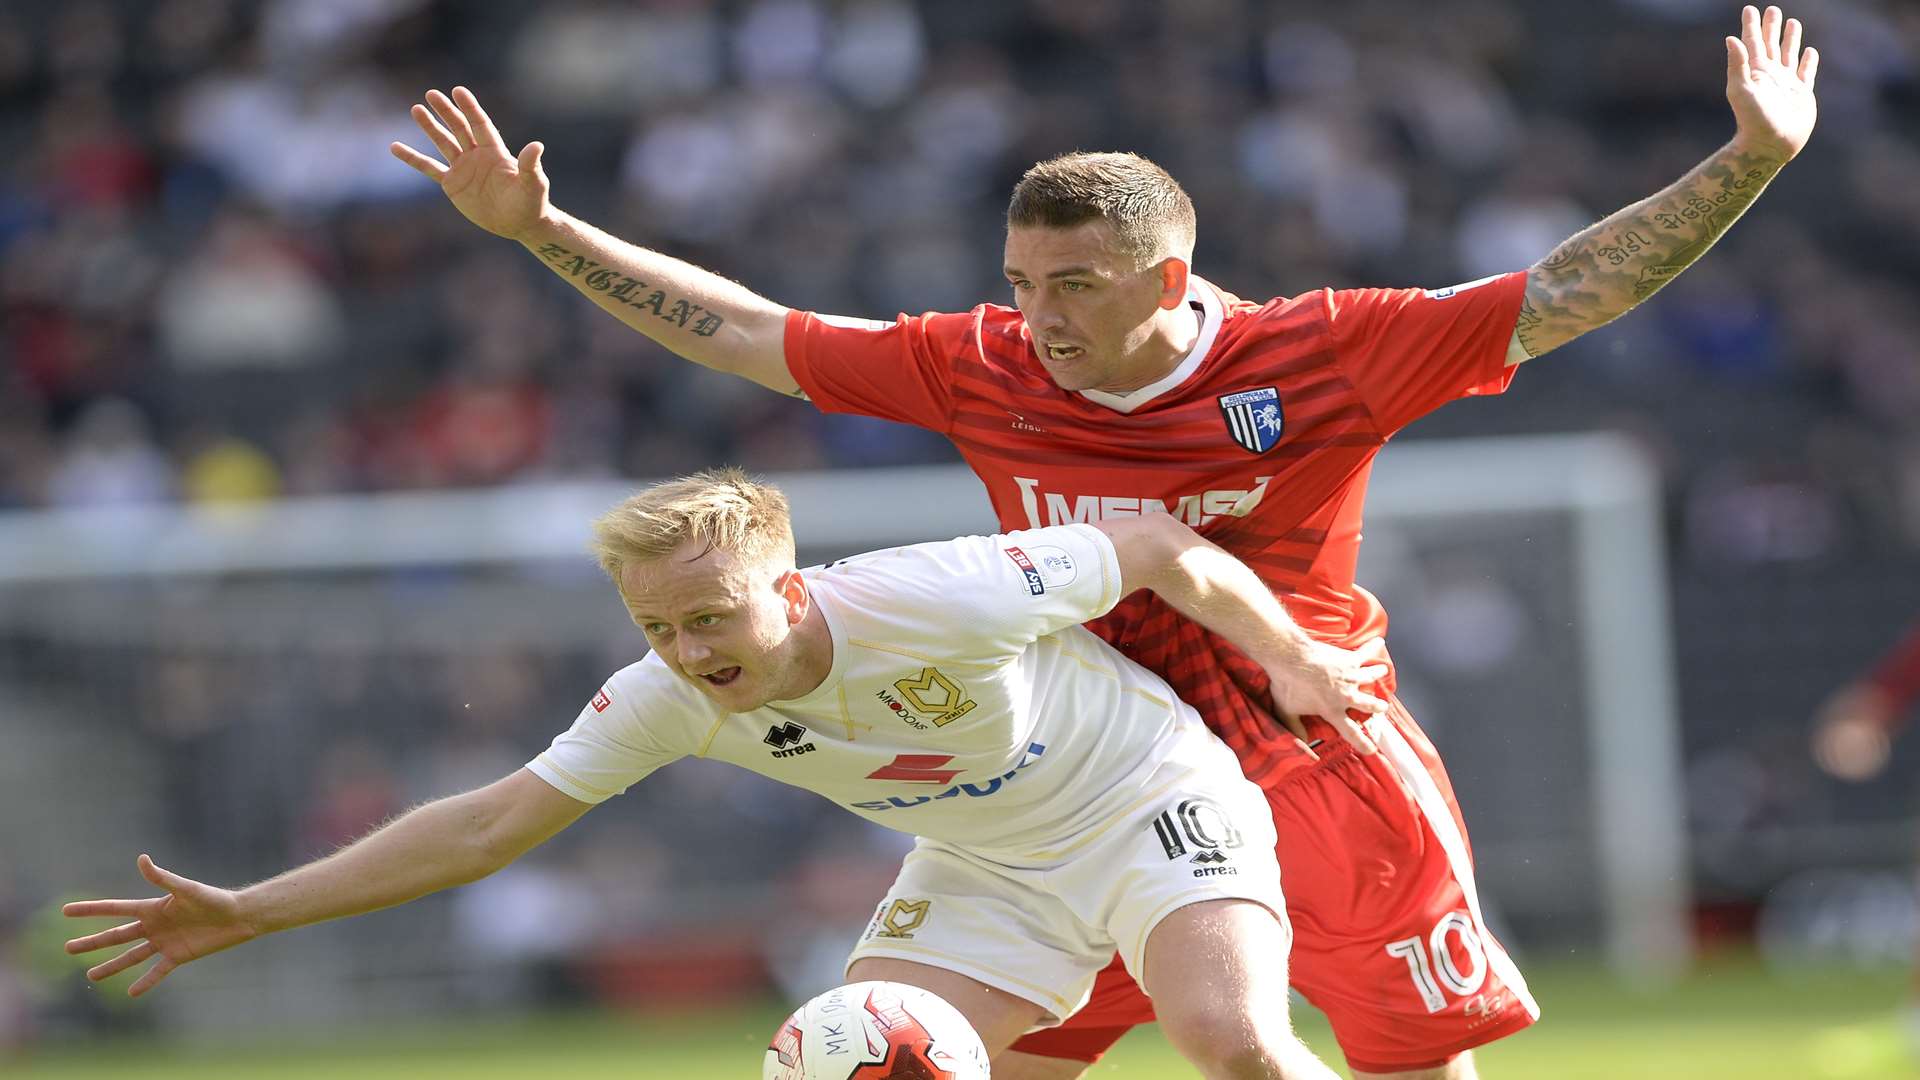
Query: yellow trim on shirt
[
  {"x": 1107, "y": 671},
  {"x": 924, "y": 658},
  {"x": 712, "y": 733},
  {"x": 548, "y": 761}
]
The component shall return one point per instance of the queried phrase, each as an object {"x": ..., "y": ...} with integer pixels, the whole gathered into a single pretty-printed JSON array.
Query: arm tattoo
[
  {"x": 1602, "y": 273},
  {"x": 630, "y": 291}
]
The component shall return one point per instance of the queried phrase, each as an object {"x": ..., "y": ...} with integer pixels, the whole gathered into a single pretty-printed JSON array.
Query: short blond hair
[{"x": 722, "y": 509}]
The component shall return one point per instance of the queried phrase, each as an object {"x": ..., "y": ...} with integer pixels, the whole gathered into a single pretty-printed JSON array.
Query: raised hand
[
  {"x": 1332, "y": 684},
  {"x": 193, "y": 920},
  {"x": 501, "y": 193},
  {"x": 1770, "y": 83}
]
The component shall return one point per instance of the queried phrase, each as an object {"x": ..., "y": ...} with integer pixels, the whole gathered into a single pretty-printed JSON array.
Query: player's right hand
[
  {"x": 1851, "y": 734},
  {"x": 501, "y": 193},
  {"x": 193, "y": 920}
]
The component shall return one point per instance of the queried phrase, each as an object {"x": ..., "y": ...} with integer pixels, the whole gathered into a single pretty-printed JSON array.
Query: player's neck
[
  {"x": 1174, "y": 335},
  {"x": 813, "y": 653}
]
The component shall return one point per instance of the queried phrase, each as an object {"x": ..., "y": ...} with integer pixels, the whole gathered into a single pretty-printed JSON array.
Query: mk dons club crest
[{"x": 1253, "y": 418}]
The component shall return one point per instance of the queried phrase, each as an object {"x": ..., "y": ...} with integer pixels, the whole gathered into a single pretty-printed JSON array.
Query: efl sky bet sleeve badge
[
  {"x": 1253, "y": 418},
  {"x": 1044, "y": 567}
]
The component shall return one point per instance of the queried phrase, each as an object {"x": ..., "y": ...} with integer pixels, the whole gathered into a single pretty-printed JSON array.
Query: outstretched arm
[
  {"x": 693, "y": 312},
  {"x": 1213, "y": 588},
  {"x": 450, "y": 842},
  {"x": 1602, "y": 273}
]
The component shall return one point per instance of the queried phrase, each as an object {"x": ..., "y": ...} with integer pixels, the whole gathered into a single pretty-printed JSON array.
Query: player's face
[
  {"x": 723, "y": 623},
  {"x": 1091, "y": 313}
]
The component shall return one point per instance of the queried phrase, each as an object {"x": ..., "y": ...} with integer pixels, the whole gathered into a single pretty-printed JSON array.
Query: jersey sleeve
[
  {"x": 1410, "y": 351},
  {"x": 894, "y": 371},
  {"x": 984, "y": 597},
  {"x": 1021, "y": 586},
  {"x": 638, "y": 722}
]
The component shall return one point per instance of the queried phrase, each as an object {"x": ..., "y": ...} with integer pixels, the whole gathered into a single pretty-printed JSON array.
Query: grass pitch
[{"x": 1730, "y": 1020}]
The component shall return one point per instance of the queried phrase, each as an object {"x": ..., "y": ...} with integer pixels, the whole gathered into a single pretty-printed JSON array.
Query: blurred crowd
[{"x": 217, "y": 285}]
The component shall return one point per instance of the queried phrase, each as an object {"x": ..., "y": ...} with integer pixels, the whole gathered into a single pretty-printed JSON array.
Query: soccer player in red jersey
[{"x": 1120, "y": 383}]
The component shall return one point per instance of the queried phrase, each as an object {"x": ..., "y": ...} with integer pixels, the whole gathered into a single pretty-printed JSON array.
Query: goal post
[{"x": 1609, "y": 489}]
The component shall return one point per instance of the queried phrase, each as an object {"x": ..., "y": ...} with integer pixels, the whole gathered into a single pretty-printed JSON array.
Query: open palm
[
  {"x": 193, "y": 920},
  {"x": 1770, "y": 81},
  {"x": 501, "y": 193}
]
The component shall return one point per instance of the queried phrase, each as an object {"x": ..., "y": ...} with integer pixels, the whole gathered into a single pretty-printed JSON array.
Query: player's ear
[
  {"x": 793, "y": 596},
  {"x": 1173, "y": 281}
]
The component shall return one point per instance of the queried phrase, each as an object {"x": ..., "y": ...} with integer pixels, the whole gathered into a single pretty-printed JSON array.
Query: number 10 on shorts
[{"x": 1431, "y": 964}]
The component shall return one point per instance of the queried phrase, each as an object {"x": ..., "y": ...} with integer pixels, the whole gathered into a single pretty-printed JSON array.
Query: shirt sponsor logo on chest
[{"x": 1062, "y": 508}]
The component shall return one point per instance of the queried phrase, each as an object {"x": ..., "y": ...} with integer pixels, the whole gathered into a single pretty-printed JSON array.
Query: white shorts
[{"x": 1042, "y": 934}]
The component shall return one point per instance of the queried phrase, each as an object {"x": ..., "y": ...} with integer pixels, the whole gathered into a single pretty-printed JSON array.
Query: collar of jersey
[
  {"x": 1198, "y": 292},
  {"x": 825, "y": 691}
]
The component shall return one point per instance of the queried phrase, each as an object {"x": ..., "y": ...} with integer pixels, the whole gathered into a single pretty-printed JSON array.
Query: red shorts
[{"x": 1388, "y": 938}]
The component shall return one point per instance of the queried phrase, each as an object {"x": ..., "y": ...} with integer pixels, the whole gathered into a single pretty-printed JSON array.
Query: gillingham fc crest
[{"x": 1253, "y": 418}]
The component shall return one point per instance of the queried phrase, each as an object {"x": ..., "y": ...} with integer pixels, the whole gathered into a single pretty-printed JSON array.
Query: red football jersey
[{"x": 1262, "y": 439}]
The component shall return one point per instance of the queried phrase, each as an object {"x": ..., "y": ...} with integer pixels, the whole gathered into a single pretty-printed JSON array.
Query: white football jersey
[{"x": 965, "y": 703}]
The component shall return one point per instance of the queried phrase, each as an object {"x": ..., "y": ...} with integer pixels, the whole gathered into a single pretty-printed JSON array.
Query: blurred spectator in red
[
  {"x": 1853, "y": 735},
  {"x": 251, "y": 297},
  {"x": 1853, "y": 731}
]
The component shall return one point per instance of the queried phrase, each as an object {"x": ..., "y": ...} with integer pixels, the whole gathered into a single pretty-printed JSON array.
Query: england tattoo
[{"x": 631, "y": 291}]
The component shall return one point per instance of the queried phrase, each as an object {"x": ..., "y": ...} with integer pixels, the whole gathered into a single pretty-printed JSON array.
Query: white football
[{"x": 876, "y": 1031}]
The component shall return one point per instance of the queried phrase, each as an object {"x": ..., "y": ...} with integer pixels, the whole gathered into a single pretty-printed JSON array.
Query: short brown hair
[
  {"x": 1148, "y": 210},
  {"x": 723, "y": 509}
]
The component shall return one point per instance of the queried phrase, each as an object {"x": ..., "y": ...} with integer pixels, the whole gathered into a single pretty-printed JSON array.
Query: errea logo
[{"x": 782, "y": 738}]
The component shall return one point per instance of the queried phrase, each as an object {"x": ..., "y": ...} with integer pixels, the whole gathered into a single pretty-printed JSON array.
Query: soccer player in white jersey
[{"x": 1067, "y": 804}]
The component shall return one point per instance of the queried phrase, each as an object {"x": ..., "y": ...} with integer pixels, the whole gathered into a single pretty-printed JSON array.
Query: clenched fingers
[{"x": 1356, "y": 733}]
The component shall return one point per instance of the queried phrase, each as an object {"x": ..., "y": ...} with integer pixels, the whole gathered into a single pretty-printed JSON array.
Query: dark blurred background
[{"x": 217, "y": 287}]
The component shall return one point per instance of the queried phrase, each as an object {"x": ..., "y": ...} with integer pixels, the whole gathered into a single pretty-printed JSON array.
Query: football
[{"x": 876, "y": 1031}]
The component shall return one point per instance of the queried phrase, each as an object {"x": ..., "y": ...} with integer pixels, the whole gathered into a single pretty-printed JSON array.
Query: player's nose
[
  {"x": 692, "y": 652},
  {"x": 1043, "y": 319}
]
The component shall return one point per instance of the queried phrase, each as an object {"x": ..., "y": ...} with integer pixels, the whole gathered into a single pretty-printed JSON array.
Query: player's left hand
[
  {"x": 1770, "y": 83},
  {"x": 1331, "y": 683}
]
